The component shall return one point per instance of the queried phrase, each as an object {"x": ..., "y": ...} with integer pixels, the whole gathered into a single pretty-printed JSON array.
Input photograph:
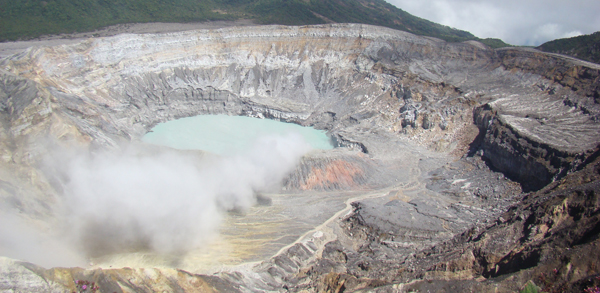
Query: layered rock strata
[
  {"x": 396, "y": 103},
  {"x": 548, "y": 239}
]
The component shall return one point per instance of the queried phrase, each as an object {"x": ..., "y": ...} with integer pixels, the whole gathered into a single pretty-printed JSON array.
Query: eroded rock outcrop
[
  {"x": 396, "y": 102},
  {"x": 536, "y": 138}
]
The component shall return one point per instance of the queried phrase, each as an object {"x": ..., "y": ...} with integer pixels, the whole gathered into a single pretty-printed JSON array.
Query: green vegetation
[
  {"x": 530, "y": 287},
  {"x": 376, "y": 12},
  {"x": 23, "y": 19},
  {"x": 26, "y": 19},
  {"x": 586, "y": 47},
  {"x": 494, "y": 43}
]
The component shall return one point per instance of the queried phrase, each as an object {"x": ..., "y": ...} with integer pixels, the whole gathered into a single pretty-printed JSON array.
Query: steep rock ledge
[
  {"x": 535, "y": 140},
  {"x": 376, "y": 90},
  {"x": 580, "y": 76},
  {"x": 549, "y": 238},
  {"x": 287, "y": 73}
]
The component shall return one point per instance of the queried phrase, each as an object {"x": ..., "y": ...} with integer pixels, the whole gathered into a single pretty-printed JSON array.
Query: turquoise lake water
[{"x": 222, "y": 134}]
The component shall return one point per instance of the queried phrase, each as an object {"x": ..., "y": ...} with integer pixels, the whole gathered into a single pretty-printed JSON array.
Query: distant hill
[
  {"x": 26, "y": 19},
  {"x": 586, "y": 47}
]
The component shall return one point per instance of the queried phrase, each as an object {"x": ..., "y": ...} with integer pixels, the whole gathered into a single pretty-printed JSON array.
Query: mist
[
  {"x": 166, "y": 201},
  {"x": 23, "y": 241}
]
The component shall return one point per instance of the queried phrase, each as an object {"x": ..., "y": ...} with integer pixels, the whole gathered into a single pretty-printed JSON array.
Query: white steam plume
[
  {"x": 20, "y": 240},
  {"x": 168, "y": 202}
]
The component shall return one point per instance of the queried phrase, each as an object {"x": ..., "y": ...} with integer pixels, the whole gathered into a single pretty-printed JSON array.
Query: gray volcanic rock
[
  {"x": 25, "y": 277},
  {"x": 538, "y": 136},
  {"x": 401, "y": 108}
]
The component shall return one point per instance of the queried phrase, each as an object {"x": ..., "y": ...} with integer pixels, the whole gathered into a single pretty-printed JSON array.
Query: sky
[{"x": 517, "y": 22}]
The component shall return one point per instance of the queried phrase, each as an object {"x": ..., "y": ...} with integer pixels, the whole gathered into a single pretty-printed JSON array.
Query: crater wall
[
  {"x": 375, "y": 90},
  {"x": 336, "y": 77}
]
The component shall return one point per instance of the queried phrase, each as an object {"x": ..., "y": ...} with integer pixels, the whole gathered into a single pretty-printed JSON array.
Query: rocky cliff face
[
  {"x": 401, "y": 106},
  {"x": 526, "y": 135}
]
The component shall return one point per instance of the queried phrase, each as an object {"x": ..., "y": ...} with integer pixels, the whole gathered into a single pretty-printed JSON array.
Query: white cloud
[{"x": 524, "y": 22}]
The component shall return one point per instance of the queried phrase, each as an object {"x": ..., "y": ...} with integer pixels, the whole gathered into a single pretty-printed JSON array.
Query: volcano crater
[{"x": 433, "y": 138}]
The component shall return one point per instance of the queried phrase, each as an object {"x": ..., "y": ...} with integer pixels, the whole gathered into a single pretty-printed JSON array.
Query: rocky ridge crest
[{"x": 377, "y": 91}]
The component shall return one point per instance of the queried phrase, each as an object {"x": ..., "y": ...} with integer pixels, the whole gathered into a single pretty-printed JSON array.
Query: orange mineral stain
[{"x": 336, "y": 173}]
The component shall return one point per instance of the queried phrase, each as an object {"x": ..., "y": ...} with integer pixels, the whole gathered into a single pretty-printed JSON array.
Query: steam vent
[{"x": 457, "y": 167}]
